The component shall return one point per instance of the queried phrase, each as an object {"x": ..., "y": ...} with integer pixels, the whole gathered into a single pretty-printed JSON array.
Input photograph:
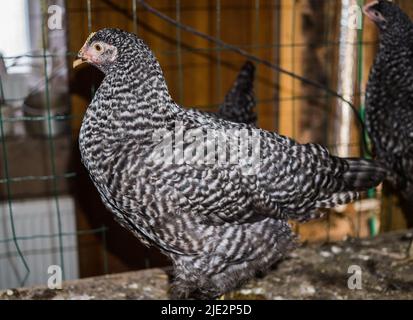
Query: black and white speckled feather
[
  {"x": 389, "y": 97},
  {"x": 218, "y": 225}
]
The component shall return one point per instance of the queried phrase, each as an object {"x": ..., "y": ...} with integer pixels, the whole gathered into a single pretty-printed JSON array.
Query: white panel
[
  {"x": 37, "y": 218},
  {"x": 14, "y": 23}
]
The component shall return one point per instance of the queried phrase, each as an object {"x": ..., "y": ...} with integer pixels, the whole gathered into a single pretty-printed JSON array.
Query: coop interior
[{"x": 307, "y": 52}]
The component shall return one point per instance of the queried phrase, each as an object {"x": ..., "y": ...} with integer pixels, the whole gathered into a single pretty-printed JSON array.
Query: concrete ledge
[{"x": 311, "y": 272}]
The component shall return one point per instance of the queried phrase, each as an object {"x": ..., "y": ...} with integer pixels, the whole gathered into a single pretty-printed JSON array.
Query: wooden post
[
  {"x": 290, "y": 59},
  {"x": 263, "y": 31}
]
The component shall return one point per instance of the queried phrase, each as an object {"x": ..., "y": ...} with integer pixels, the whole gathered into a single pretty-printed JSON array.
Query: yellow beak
[{"x": 78, "y": 62}]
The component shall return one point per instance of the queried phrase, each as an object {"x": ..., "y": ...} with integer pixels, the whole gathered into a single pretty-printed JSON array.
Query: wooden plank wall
[{"x": 290, "y": 59}]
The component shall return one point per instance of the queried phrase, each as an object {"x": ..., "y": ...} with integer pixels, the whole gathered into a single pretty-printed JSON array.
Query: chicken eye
[{"x": 98, "y": 47}]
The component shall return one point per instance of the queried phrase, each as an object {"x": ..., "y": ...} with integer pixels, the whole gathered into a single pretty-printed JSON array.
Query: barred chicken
[
  {"x": 389, "y": 96},
  {"x": 389, "y": 99},
  {"x": 221, "y": 216}
]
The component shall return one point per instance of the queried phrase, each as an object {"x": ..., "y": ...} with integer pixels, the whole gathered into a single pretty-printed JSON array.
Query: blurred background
[{"x": 50, "y": 213}]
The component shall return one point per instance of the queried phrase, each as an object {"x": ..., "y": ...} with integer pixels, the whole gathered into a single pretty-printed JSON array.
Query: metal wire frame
[{"x": 220, "y": 46}]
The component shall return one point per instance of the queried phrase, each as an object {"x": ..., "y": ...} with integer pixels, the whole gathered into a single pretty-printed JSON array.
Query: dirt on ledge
[{"x": 310, "y": 272}]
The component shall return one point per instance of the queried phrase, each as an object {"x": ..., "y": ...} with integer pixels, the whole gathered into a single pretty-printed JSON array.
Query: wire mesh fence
[{"x": 313, "y": 59}]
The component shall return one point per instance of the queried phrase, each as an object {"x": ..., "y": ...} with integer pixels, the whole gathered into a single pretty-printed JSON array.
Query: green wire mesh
[{"x": 7, "y": 180}]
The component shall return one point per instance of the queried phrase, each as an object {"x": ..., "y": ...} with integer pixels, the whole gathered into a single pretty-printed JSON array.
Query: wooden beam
[{"x": 290, "y": 59}]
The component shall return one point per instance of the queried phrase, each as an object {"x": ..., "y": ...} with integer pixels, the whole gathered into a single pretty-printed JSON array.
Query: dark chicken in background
[
  {"x": 218, "y": 225},
  {"x": 389, "y": 99},
  {"x": 240, "y": 101}
]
